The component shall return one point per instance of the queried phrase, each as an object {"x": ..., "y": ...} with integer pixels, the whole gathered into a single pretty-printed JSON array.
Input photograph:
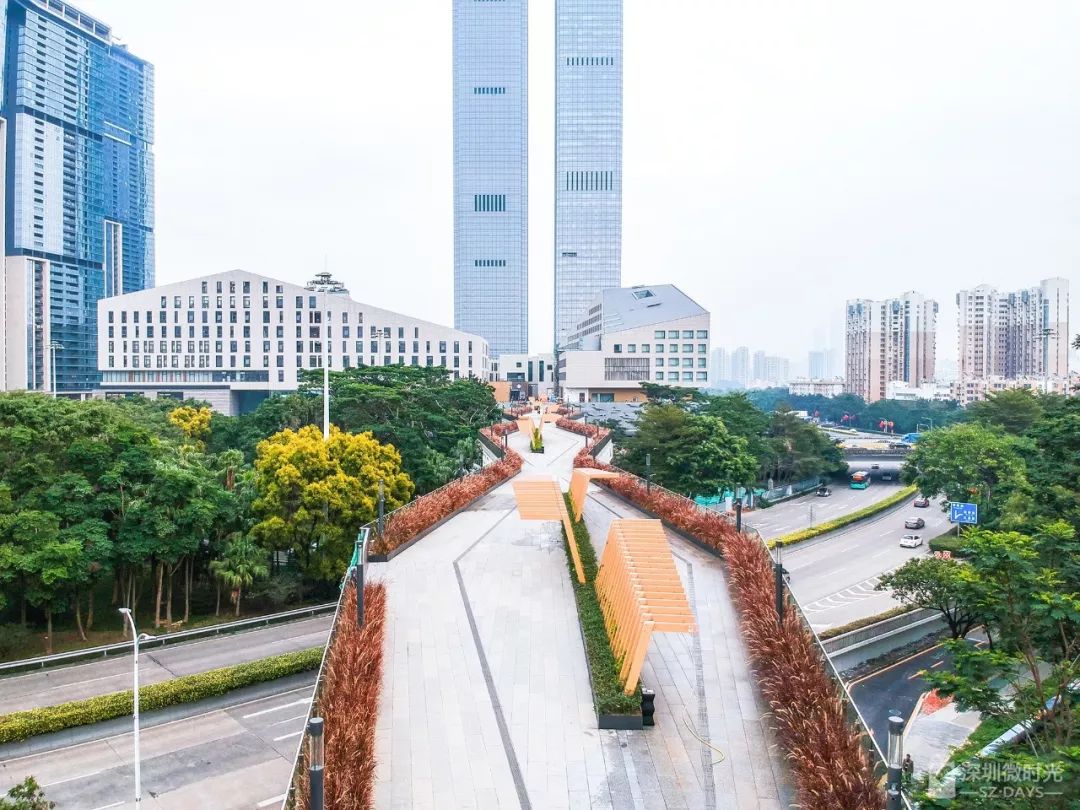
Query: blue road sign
[{"x": 964, "y": 513}]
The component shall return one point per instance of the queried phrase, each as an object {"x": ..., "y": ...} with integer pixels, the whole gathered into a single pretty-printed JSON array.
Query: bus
[{"x": 860, "y": 479}]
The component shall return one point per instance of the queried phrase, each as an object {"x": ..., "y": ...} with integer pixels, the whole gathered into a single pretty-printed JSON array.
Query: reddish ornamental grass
[
  {"x": 830, "y": 767},
  {"x": 349, "y": 704},
  {"x": 499, "y": 429}
]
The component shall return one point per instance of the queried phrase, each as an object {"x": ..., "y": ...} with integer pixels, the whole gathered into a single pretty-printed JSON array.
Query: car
[
  {"x": 824, "y": 492},
  {"x": 886, "y": 476},
  {"x": 915, "y": 523},
  {"x": 910, "y": 541},
  {"x": 875, "y": 466},
  {"x": 921, "y": 502}
]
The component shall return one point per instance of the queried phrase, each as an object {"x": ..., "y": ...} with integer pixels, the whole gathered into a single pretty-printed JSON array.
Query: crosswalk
[{"x": 847, "y": 596}]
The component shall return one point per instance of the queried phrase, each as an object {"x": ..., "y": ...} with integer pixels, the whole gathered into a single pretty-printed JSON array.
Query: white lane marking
[
  {"x": 287, "y": 736},
  {"x": 274, "y": 709},
  {"x": 881, "y": 554},
  {"x": 289, "y": 720},
  {"x": 274, "y": 800},
  {"x": 107, "y": 806}
]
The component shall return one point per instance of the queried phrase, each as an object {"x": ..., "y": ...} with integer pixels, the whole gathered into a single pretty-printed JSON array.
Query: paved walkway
[{"x": 486, "y": 700}]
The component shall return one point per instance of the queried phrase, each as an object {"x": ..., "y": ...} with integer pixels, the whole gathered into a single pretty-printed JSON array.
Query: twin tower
[{"x": 491, "y": 164}]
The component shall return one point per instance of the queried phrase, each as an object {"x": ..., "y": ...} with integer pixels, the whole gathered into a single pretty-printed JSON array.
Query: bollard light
[
  {"x": 648, "y": 473},
  {"x": 895, "y": 761},
  {"x": 358, "y": 575},
  {"x": 316, "y": 772},
  {"x": 382, "y": 506},
  {"x": 778, "y": 579}
]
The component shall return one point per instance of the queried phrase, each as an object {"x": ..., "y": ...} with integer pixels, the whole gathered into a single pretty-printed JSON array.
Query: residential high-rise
[
  {"x": 740, "y": 366},
  {"x": 491, "y": 172},
  {"x": 1016, "y": 334},
  {"x": 588, "y": 155},
  {"x": 890, "y": 340},
  {"x": 78, "y": 170},
  {"x": 777, "y": 370},
  {"x": 720, "y": 365},
  {"x": 758, "y": 372},
  {"x": 818, "y": 365}
]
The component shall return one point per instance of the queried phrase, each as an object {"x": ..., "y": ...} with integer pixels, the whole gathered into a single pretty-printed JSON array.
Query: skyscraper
[
  {"x": 818, "y": 365},
  {"x": 588, "y": 155},
  {"x": 894, "y": 339},
  {"x": 740, "y": 366},
  {"x": 491, "y": 172},
  {"x": 719, "y": 365},
  {"x": 78, "y": 171}
]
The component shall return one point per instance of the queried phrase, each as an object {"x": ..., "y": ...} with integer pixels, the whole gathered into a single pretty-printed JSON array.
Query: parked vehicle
[
  {"x": 911, "y": 541},
  {"x": 915, "y": 523},
  {"x": 922, "y": 502}
]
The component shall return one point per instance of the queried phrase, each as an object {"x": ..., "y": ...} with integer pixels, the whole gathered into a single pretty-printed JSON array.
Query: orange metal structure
[
  {"x": 579, "y": 486},
  {"x": 540, "y": 498}
]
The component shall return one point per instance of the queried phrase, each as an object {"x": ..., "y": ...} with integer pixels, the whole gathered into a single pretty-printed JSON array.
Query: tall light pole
[
  {"x": 137, "y": 638},
  {"x": 53, "y": 347},
  {"x": 326, "y": 371}
]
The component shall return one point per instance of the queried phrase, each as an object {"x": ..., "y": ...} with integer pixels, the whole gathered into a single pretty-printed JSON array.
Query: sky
[{"x": 779, "y": 157}]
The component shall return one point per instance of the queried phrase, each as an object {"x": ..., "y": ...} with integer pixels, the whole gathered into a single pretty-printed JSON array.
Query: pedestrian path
[{"x": 486, "y": 699}]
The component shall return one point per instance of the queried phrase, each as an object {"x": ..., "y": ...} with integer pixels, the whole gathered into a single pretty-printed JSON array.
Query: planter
[
  {"x": 534, "y": 450},
  {"x": 619, "y": 722},
  {"x": 388, "y": 556}
]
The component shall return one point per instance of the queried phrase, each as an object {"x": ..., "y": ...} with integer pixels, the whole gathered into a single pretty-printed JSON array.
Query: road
[
  {"x": 239, "y": 757},
  {"x": 834, "y": 576},
  {"x": 61, "y": 684}
]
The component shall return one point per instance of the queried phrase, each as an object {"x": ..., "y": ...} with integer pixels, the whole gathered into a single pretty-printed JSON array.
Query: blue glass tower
[
  {"x": 588, "y": 155},
  {"x": 491, "y": 172},
  {"x": 78, "y": 132}
]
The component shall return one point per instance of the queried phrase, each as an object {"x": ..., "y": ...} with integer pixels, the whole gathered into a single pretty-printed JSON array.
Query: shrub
[
  {"x": 949, "y": 542},
  {"x": 865, "y": 621},
  {"x": 594, "y": 432},
  {"x": 348, "y": 702},
  {"x": 27, "y": 795},
  {"x": 14, "y": 640},
  {"x": 536, "y": 444},
  {"x": 845, "y": 520},
  {"x": 188, "y": 689}
]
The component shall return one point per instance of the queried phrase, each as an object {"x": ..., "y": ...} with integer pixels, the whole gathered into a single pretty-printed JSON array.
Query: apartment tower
[
  {"x": 588, "y": 155},
  {"x": 491, "y": 172},
  {"x": 890, "y": 340}
]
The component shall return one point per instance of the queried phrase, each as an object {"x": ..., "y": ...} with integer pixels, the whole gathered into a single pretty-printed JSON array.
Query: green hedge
[
  {"x": 21, "y": 725},
  {"x": 949, "y": 542},
  {"x": 845, "y": 520},
  {"x": 607, "y": 690},
  {"x": 865, "y": 621}
]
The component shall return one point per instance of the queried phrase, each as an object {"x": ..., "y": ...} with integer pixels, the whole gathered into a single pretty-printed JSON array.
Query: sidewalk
[{"x": 932, "y": 736}]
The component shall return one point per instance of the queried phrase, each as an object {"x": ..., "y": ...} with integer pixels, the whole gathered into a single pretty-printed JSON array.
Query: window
[
  {"x": 659, "y": 334},
  {"x": 645, "y": 347},
  {"x": 659, "y": 375},
  {"x": 688, "y": 376},
  {"x": 703, "y": 362},
  {"x": 703, "y": 375},
  {"x": 631, "y": 348},
  {"x": 659, "y": 348},
  {"x": 688, "y": 347},
  {"x": 659, "y": 362},
  {"x": 489, "y": 203},
  {"x": 688, "y": 362},
  {"x": 687, "y": 333},
  {"x": 703, "y": 348},
  {"x": 702, "y": 334},
  {"x": 617, "y": 348},
  {"x": 673, "y": 347}
]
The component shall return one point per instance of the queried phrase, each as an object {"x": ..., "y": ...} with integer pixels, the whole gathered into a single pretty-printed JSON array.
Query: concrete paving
[
  {"x": 58, "y": 685},
  {"x": 487, "y": 702},
  {"x": 930, "y": 737}
]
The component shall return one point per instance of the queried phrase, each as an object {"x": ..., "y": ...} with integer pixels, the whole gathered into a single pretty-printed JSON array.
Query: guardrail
[{"x": 124, "y": 647}]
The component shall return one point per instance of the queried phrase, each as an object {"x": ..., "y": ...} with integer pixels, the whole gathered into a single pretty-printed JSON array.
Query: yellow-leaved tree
[
  {"x": 194, "y": 423},
  {"x": 314, "y": 495}
]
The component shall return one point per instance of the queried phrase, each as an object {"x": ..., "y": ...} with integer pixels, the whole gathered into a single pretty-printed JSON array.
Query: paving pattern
[{"x": 486, "y": 701}]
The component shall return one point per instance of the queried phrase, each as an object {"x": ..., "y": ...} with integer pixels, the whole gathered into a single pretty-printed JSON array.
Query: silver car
[{"x": 911, "y": 541}]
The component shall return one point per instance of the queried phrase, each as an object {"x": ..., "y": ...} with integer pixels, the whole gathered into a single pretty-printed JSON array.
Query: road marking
[
  {"x": 881, "y": 554},
  {"x": 287, "y": 736},
  {"x": 289, "y": 720},
  {"x": 274, "y": 800},
  {"x": 274, "y": 709},
  {"x": 938, "y": 664},
  {"x": 107, "y": 806},
  {"x": 918, "y": 674}
]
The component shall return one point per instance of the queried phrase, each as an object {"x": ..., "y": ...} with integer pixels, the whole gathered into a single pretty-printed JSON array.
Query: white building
[
  {"x": 234, "y": 338},
  {"x": 740, "y": 366},
  {"x": 815, "y": 387},
  {"x": 905, "y": 392},
  {"x": 818, "y": 364},
  {"x": 894, "y": 339},
  {"x": 530, "y": 375},
  {"x": 972, "y": 390},
  {"x": 632, "y": 335}
]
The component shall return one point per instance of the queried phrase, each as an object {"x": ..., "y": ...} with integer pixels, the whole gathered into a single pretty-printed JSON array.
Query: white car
[{"x": 911, "y": 541}]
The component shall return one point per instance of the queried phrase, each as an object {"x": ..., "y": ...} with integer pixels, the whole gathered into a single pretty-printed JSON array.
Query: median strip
[{"x": 845, "y": 520}]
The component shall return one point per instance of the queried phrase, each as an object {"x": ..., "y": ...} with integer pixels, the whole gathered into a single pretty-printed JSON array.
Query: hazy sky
[{"x": 780, "y": 157}]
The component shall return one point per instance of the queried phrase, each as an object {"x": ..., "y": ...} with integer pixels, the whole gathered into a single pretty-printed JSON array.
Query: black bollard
[{"x": 647, "y": 707}]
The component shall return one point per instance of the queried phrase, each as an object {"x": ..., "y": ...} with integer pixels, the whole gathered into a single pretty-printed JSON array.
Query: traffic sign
[{"x": 967, "y": 513}]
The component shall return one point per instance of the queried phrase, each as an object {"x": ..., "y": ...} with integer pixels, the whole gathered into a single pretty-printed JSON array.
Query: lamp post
[
  {"x": 137, "y": 638},
  {"x": 53, "y": 347},
  {"x": 894, "y": 760},
  {"x": 648, "y": 473},
  {"x": 778, "y": 579},
  {"x": 382, "y": 506},
  {"x": 326, "y": 371},
  {"x": 361, "y": 555},
  {"x": 316, "y": 762}
]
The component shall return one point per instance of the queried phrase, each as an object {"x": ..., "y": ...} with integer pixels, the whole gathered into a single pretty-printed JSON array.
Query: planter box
[
  {"x": 619, "y": 722},
  {"x": 388, "y": 556},
  {"x": 541, "y": 450}
]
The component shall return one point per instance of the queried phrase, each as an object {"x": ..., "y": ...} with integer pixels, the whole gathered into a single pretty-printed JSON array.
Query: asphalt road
[
  {"x": 59, "y": 685},
  {"x": 834, "y": 576},
  {"x": 240, "y": 757}
]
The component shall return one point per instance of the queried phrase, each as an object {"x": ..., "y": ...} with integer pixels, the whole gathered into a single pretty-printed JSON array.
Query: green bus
[{"x": 860, "y": 479}]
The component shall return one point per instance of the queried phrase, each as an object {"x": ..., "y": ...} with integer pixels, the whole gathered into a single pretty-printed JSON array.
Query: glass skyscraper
[
  {"x": 588, "y": 155},
  {"x": 491, "y": 180},
  {"x": 78, "y": 166}
]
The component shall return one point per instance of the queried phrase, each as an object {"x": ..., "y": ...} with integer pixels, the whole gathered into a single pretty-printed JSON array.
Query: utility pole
[{"x": 53, "y": 347}]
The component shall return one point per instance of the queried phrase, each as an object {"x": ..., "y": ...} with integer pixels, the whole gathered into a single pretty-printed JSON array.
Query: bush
[
  {"x": 865, "y": 621},
  {"x": 14, "y": 639},
  {"x": 27, "y": 795},
  {"x": 949, "y": 542},
  {"x": 536, "y": 444},
  {"x": 188, "y": 689},
  {"x": 607, "y": 689},
  {"x": 275, "y": 592},
  {"x": 845, "y": 520}
]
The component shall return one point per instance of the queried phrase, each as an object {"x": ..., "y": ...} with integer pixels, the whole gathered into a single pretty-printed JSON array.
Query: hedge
[
  {"x": 865, "y": 621},
  {"x": 607, "y": 689},
  {"x": 949, "y": 542},
  {"x": 845, "y": 520},
  {"x": 188, "y": 689}
]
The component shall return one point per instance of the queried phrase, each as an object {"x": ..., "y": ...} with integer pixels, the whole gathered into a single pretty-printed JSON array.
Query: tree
[
  {"x": 312, "y": 496},
  {"x": 27, "y": 795},
  {"x": 1054, "y": 464},
  {"x": 936, "y": 584},
  {"x": 797, "y": 450},
  {"x": 239, "y": 566},
  {"x": 691, "y": 454},
  {"x": 194, "y": 423},
  {"x": 1014, "y": 409},
  {"x": 968, "y": 463}
]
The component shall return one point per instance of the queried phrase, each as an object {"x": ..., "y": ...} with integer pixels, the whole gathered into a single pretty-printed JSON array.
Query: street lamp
[
  {"x": 326, "y": 371},
  {"x": 894, "y": 761},
  {"x": 137, "y": 638},
  {"x": 54, "y": 346}
]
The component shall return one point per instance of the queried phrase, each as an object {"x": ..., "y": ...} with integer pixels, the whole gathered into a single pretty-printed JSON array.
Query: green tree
[
  {"x": 1054, "y": 464},
  {"x": 969, "y": 463},
  {"x": 797, "y": 450},
  {"x": 936, "y": 584},
  {"x": 241, "y": 563},
  {"x": 27, "y": 795},
  {"x": 1015, "y": 409}
]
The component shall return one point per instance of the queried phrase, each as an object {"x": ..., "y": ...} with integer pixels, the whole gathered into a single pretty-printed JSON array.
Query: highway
[
  {"x": 230, "y": 758},
  {"x": 60, "y": 684}
]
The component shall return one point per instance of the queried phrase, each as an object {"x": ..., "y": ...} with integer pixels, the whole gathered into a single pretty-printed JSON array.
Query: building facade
[
  {"x": 972, "y": 390},
  {"x": 740, "y": 366},
  {"x": 633, "y": 335},
  {"x": 818, "y": 364},
  {"x": 78, "y": 174},
  {"x": 234, "y": 338},
  {"x": 491, "y": 172},
  {"x": 529, "y": 375},
  {"x": 1016, "y": 334},
  {"x": 588, "y": 156},
  {"x": 894, "y": 339},
  {"x": 816, "y": 387},
  {"x": 720, "y": 368}
]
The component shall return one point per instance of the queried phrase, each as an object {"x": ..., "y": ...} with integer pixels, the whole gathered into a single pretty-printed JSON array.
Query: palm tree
[{"x": 242, "y": 563}]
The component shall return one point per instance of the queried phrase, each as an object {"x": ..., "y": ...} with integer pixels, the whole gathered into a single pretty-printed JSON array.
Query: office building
[
  {"x": 588, "y": 156},
  {"x": 633, "y": 335},
  {"x": 906, "y": 392},
  {"x": 491, "y": 172},
  {"x": 527, "y": 375},
  {"x": 1014, "y": 335},
  {"x": 77, "y": 121},
  {"x": 894, "y": 339},
  {"x": 815, "y": 387},
  {"x": 818, "y": 365},
  {"x": 740, "y": 366},
  {"x": 758, "y": 372},
  {"x": 234, "y": 338}
]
